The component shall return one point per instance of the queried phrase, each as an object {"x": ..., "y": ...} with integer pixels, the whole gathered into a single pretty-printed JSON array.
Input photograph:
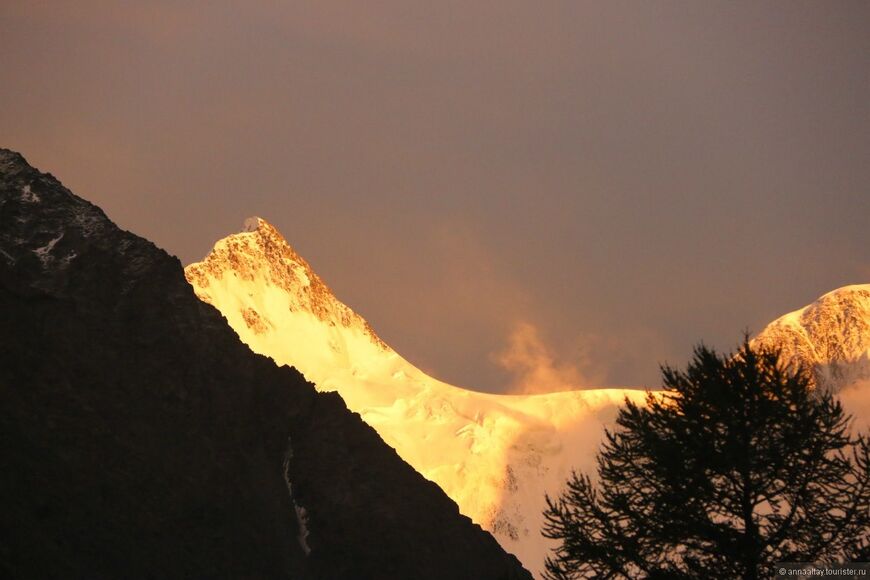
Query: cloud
[
  {"x": 534, "y": 366},
  {"x": 581, "y": 360}
]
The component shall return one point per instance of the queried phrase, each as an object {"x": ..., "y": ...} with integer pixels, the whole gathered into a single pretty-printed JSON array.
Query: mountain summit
[
  {"x": 831, "y": 337},
  {"x": 264, "y": 287},
  {"x": 495, "y": 455},
  {"x": 261, "y": 244}
]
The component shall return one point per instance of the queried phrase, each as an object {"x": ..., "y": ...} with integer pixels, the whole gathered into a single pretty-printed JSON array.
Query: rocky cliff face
[{"x": 140, "y": 438}]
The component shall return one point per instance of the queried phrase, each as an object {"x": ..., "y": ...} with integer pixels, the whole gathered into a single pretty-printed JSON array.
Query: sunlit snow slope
[
  {"x": 495, "y": 455},
  {"x": 831, "y": 336}
]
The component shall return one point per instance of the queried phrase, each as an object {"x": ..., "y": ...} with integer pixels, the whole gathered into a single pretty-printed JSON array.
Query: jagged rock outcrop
[{"x": 139, "y": 438}]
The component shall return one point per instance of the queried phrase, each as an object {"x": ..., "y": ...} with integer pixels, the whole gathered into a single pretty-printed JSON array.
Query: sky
[{"x": 518, "y": 196}]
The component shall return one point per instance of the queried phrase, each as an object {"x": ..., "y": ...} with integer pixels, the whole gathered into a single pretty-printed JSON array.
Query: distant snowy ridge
[
  {"x": 831, "y": 337},
  {"x": 495, "y": 455}
]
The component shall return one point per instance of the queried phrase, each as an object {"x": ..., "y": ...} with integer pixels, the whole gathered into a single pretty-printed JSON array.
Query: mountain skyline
[
  {"x": 497, "y": 456},
  {"x": 338, "y": 290},
  {"x": 73, "y": 278},
  {"x": 596, "y": 186}
]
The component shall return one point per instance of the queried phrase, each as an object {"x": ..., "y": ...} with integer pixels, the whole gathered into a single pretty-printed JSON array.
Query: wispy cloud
[
  {"x": 534, "y": 366},
  {"x": 539, "y": 364}
]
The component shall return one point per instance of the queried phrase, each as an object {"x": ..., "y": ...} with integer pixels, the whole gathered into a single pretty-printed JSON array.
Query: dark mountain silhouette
[{"x": 140, "y": 439}]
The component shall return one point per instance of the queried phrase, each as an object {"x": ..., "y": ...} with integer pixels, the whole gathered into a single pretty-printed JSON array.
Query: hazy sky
[{"x": 515, "y": 194}]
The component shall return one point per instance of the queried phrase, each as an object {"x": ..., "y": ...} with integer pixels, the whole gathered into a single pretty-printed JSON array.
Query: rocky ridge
[{"x": 140, "y": 438}]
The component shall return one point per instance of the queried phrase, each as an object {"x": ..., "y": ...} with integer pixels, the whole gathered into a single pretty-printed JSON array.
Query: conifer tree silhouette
[{"x": 740, "y": 464}]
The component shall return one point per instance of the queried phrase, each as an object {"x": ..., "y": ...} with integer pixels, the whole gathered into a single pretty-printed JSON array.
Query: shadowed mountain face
[{"x": 140, "y": 438}]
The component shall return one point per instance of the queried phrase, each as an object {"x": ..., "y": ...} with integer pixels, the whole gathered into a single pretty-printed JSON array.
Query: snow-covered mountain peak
[
  {"x": 495, "y": 455},
  {"x": 831, "y": 336},
  {"x": 258, "y": 265}
]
